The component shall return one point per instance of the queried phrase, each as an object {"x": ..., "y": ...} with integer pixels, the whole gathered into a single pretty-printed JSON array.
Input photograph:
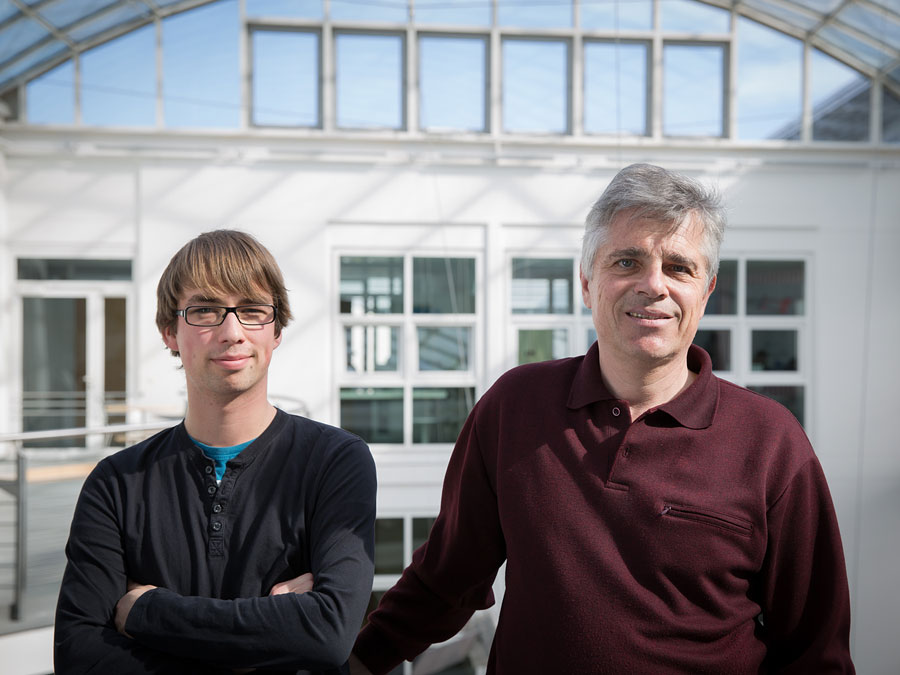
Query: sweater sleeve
[
  {"x": 451, "y": 574},
  {"x": 313, "y": 630},
  {"x": 85, "y": 639},
  {"x": 806, "y": 602}
]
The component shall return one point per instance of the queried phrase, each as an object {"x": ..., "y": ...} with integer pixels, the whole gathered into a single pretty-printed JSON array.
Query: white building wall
[{"x": 144, "y": 197}]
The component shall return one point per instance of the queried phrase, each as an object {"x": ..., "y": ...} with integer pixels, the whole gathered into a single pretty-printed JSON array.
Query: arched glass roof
[{"x": 37, "y": 34}]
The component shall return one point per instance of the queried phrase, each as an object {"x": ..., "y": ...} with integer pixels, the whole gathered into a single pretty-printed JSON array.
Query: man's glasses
[{"x": 207, "y": 315}]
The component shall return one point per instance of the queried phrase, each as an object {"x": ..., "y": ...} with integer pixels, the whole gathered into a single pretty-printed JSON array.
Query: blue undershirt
[{"x": 220, "y": 456}]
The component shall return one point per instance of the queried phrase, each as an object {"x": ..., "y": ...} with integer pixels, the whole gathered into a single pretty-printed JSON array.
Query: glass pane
[
  {"x": 421, "y": 530},
  {"x": 372, "y": 349},
  {"x": 542, "y": 286},
  {"x": 54, "y": 352},
  {"x": 369, "y": 81},
  {"x": 444, "y": 285},
  {"x": 452, "y": 74},
  {"x": 769, "y": 82},
  {"x": 774, "y": 349},
  {"x": 724, "y": 299},
  {"x": 114, "y": 369},
  {"x": 439, "y": 413},
  {"x": 201, "y": 69},
  {"x": 717, "y": 344},
  {"x": 688, "y": 16},
  {"x": 285, "y": 78},
  {"x": 444, "y": 348},
  {"x": 458, "y": 12},
  {"x": 535, "y": 86},
  {"x": 374, "y": 414},
  {"x": 840, "y": 98},
  {"x": 591, "y": 336},
  {"x": 73, "y": 269},
  {"x": 118, "y": 81},
  {"x": 890, "y": 124},
  {"x": 388, "y": 545},
  {"x": 51, "y": 97},
  {"x": 534, "y": 14},
  {"x": 300, "y": 9},
  {"x": 791, "y": 397},
  {"x": 354, "y": 10},
  {"x": 775, "y": 287},
  {"x": 617, "y": 15},
  {"x": 693, "y": 90},
  {"x": 543, "y": 344},
  {"x": 615, "y": 88},
  {"x": 371, "y": 285}
]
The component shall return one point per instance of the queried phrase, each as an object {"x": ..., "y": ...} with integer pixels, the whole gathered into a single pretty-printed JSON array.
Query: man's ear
[
  {"x": 168, "y": 336},
  {"x": 585, "y": 288}
]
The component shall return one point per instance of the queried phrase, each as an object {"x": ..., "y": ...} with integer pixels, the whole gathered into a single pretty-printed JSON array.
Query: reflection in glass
[
  {"x": 769, "y": 82},
  {"x": 114, "y": 370},
  {"x": 791, "y": 397},
  {"x": 369, "y": 80},
  {"x": 439, "y": 413},
  {"x": 693, "y": 102},
  {"x": 285, "y": 78},
  {"x": 51, "y": 97},
  {"x": 371, "y": 349},
  {"x": 543, "y": 344},
  {"x": 724, "y": 298},
  {"x": 388, "y": 545},
  {"x": 717, "y": 344},
  {"x": 459, "y": 12},
  {"x": 688, "y": 16},
  {"x": 298, "y": 9},
  {"x": 542, "y": 286},
  {"x": 73, "y": 269},
  {"x": 890, "y": 121},
  {"x": 201, "y": 87},
  {"x": 617, "y": 15},
  {"x": 615, "y": 88},
  {"x": 840, "y": 98},
  {"x": 118, "y": 81},
  {"x": 775, "y": 287},
  {"x": 371, "y": 285},
  {"x": 518, "y": 14},
  {"x": 452, "y": 76},
  {"x": 54, "y": 366},
  {"x": 372, "y": 413},
  {"x": 774, "y": 349},
  {"x": 444, "y": 348},
  {"x": 535, "y": 86},
  {"x": 353, "y": 10},
  {"x": 421, "y": 527},
  {"x": 444, "y": 285}
]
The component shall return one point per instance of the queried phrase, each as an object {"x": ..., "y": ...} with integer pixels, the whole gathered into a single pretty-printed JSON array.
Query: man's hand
[
  {"x": 357, "y": 667},
  {"x": 297, "y": 585},
  {"x": 126, "y": 602}
]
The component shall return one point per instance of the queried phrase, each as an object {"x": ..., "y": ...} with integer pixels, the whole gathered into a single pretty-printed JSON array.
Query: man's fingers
[{"x": 302, "y": 584}]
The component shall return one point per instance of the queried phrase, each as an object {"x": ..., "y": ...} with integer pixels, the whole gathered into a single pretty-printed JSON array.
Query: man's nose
[
  {"x": 231, "y": 328},
  {"x": 652, "y": 282}
]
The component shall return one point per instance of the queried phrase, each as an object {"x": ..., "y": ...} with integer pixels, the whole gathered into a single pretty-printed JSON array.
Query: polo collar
[{"x": 693, "y": 408}]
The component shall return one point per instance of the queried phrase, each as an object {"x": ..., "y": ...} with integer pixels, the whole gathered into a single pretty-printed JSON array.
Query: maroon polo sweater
[{"x": 699, "y": 538}]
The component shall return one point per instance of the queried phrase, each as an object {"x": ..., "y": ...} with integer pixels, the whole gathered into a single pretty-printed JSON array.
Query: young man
[
  {"x": 653, "y": 518},
  {"x": 239, "y": 539}
]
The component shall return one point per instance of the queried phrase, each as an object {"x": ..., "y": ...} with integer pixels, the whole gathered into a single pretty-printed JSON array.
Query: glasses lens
[
  {"x": 255, "y": 315},
  {"x": 204, "y": 316}
]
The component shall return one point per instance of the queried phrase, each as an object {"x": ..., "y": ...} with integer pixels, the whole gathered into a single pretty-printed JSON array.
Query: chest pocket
[{"x": 709, "y": 518}]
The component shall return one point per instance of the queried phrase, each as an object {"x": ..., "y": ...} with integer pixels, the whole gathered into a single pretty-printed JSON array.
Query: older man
[{"x": 653, "y": 518}]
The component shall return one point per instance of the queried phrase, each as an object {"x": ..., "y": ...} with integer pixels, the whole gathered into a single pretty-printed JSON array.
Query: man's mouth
[{"x": 645, "y": 315}]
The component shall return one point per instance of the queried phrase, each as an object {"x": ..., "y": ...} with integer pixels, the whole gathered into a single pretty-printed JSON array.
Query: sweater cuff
[{"x": 375, "y": 651}]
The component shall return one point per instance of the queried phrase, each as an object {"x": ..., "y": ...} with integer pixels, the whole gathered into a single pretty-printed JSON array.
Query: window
[
  {"x": 544, "y": 293},
  {"x": 51, "y": 96},
  {"x": 452, "y": 83},
  {"x": 535, "y": 86},
  {"x": 407, "y": 370},
  {"x": 370, "y": 80},
  {"x": 687, "y": 16},
  {"x": 519, "y": 14},
  {"x": 118, "y": 81},
  {"x": 615, "y": 87},
  {"x": 693, "y": 97},
  {"x": 840, "y": 101},
  {"x": 285, "y": 78},
  {"x": 755, "y": 328},
  {"x": 617, "y": 15}
]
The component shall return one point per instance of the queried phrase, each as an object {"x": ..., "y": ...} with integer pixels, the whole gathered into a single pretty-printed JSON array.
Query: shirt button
[
  {"x": 616, "y": 412},
  {"x": 217, "y": 508},
  {"x": 211, "y": 490},
  {"x": 216, "y": 526},
  {"x": 207, "y": 469}
]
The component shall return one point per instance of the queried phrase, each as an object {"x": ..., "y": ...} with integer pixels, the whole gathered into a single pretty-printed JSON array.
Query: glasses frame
[{"x": 233, "y": 310}]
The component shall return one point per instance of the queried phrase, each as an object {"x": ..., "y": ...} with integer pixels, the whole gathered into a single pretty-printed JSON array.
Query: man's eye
[
  {"x": 203, "y": 310},
  {"x": 626, "y": 264}
]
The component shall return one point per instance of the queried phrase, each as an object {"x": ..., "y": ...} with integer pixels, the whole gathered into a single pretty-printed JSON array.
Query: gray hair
[{"x": 656, "y": 193}]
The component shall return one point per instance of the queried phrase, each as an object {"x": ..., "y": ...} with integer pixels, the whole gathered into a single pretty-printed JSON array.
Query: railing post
[{"x": 16, "y": 610}]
